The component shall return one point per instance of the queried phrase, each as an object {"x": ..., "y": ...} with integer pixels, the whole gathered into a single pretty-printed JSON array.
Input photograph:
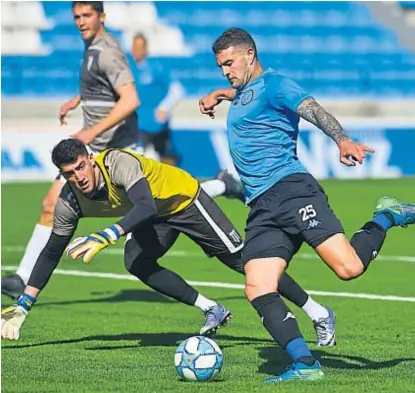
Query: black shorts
[
  {"x": 294, "y": 210},
  {"x": 202, "y": 221}
]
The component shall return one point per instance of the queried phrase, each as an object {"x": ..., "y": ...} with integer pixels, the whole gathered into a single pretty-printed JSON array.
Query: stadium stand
[
  {"x": 408, "y": 8},
  {"x": 407, "y": 4},
  {"x": 335, "y": 49}
]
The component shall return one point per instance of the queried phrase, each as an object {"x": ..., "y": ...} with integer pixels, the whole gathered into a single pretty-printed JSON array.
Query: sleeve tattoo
[{"x": 313, "y": 112}]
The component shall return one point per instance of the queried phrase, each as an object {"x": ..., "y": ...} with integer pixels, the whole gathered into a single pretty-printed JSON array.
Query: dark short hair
[
  {"x": 67, "y": 151},
  {"x": 233, "y": 37},
  {"x": 97, "y": 6}
]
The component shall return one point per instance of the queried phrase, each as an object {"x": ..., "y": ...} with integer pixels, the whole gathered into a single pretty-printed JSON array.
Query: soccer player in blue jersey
[
  {"x": 287, "y": 205},
  {"x": 161, "y": 94}
]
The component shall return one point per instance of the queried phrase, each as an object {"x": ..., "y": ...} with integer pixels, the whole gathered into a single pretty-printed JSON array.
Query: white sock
[
  {"x": 37, "y": 243},
  {"x": 204, "y": 303},
  {"x": 150, "y": 152},
  {"x": 314, "y": 310},
  {"x": 214, "y": 188}
]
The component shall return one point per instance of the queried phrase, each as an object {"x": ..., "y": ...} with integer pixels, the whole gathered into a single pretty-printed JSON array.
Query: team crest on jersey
[{"x": 247, "y": 97}]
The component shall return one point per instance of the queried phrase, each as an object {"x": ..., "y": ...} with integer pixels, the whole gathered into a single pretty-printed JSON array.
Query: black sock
[
  {"x": 289, "y": 289},
  {"x": 281, "y": 324},
  {"x": 368, "y": 241},
  {"x": 168, "y": 283}
]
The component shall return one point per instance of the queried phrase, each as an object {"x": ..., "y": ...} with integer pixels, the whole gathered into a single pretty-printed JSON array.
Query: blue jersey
[
  {"x": 153, "y": 84},
  {"x": 262, "y": 130}
]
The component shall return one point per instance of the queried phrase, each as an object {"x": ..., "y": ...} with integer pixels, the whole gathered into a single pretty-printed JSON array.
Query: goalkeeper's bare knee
[{"x": 49, "y": 203}]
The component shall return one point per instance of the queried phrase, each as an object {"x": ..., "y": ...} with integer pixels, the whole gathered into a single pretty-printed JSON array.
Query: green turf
[{"x": 102, "y": 335}]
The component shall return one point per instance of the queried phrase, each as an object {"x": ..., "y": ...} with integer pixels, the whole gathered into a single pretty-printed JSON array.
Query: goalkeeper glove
[
  {"x": 89, "y": 246},
  {"x": 13, "y": 317}
]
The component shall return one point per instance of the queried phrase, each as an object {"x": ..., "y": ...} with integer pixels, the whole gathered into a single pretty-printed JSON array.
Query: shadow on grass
[
  {"x": 276, "y": 356},
  {"x": 142, "y": 340},
  {"x": 126, "y": 295}
]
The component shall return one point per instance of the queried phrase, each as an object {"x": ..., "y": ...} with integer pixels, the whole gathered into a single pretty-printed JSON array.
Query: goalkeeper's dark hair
[
  {"x": 97, "y": 6},
  {"x": 67, "y": 151},
  {"x": 234, "y": 37}
]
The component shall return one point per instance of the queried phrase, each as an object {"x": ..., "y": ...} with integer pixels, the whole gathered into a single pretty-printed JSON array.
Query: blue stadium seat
[
  {"x": 407, "y": 4},
  {"x": 332, "y": 48}
]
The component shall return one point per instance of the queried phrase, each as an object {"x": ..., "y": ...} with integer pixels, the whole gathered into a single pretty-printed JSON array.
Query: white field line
[
  {"x": 187, "y": 254},
  {"x": 226, "y": 285}
]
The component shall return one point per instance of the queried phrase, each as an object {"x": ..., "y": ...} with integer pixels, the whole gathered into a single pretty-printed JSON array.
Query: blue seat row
[{"x": 331, "y": 48}]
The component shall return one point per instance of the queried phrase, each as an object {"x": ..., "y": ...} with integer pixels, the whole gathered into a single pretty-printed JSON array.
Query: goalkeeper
[{"x": 157, "y": 203}]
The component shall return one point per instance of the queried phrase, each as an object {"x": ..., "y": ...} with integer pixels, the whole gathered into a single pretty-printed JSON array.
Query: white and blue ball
[{"x": 198, "y": 359}]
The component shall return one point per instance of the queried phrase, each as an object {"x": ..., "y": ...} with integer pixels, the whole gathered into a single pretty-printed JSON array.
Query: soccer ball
[{"x": 198, "y": 359}]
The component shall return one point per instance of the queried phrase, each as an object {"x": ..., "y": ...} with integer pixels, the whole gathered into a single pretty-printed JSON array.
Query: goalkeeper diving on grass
[{"x": 157, "y": 202}]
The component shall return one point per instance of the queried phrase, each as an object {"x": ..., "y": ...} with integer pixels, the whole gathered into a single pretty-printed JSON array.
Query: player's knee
[
  {"x": 48, "y": 209},
  {"x": 129, "y": 265},
  {"x": 138, "y": 268},
  {"x": 254, "y": 290},
  {"x": 48, "y": 206},
  {"x": 142, "y": 268},
  {"x": 249, "y": 292},
  {"x": 131, "y": 261},
  {"x": 350, "y": 269}
]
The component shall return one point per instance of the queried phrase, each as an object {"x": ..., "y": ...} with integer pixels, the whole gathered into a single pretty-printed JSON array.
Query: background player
[
  {"x": 158, "y": 203},
  {"x": 287, "y": 204},
  {"x": 109, "y": 100},
  {"x": 161, "y": 95}
]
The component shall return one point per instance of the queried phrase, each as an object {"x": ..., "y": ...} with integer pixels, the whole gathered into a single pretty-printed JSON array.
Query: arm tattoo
[{"x": 313, "y": 112}]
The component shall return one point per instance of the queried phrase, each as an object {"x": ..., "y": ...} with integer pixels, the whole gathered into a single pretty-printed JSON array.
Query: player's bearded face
[
  {"x": 81, "y": 173},
  {"x": 237, "y": 66},
  {"x": 88, "y": 21}
]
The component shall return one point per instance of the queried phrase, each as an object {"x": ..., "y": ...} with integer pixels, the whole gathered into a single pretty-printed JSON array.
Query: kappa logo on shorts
[{"x": 313, "y": 224}]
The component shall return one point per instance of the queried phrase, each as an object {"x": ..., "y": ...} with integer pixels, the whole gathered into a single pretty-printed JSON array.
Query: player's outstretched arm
[
  {"x": 143, "y": 210},
  {"x": 125, "y": 172},
  {"x": 113, "y": 64},
  {"x": 67, "y": 107},
  {"x": 13, "y": 317},
  {"x": 127, "y": 103},
  {"x": 313, "y": 112},
  {"x": 350, "y": 151},
  {"x": 172, "y": 98},
  {"x": 208, "y": 102}
]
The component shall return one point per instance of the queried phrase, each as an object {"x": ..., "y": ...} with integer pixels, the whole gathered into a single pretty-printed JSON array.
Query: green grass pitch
[{"x": 89, "y": 334}]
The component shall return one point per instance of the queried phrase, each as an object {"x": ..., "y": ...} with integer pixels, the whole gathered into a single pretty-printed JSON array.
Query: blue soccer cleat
[
  {"x": 299, "y": 372},
  {"x": 326, "y": 330},
  {"x": 216, "y": 317},
  {"x": 402, "y": 213}
]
